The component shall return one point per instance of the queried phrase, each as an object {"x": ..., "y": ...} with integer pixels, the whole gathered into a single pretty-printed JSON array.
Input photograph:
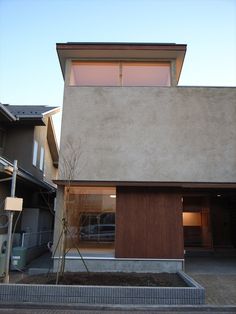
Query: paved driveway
[{"x": 217, "y": 275}]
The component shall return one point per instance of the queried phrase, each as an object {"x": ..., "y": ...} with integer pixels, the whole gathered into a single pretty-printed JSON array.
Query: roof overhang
[
  {"x": 51, "y": 112},
  {"x": 6, "y": 169},
  {"x": 6, "y": 115},
  {"x": 29, "y": 120},
  {"x": 182, "y": 185},
  {"x": 30, "y": 117},
  {"x": 122, "y": 51}
]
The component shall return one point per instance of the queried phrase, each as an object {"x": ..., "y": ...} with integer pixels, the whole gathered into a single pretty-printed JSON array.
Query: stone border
[
  {"x": 112, "y": 264},
  {"x": 194, "y": 294}
]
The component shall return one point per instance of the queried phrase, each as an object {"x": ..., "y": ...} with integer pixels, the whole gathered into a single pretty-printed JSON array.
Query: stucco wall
[
  {"x": 49, "y": 172},
  {"x": 151, "y": 133}
]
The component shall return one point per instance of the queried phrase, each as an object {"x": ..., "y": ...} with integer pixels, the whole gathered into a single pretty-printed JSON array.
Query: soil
[{"x": 110, "y": 279}]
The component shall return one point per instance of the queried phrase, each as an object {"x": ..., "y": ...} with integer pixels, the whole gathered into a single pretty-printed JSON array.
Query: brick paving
[
  {"x": 217, "y": 276},
  {"x": 220, "y": 289}
]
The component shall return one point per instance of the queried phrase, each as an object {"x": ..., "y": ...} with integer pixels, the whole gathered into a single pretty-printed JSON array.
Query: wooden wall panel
[{"x": 148, "y": 223}]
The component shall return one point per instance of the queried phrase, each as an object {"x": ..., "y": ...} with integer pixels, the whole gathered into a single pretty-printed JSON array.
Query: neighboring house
[
  {"x": 27, "y": 135},
  {"x": 156, "y": 170}
]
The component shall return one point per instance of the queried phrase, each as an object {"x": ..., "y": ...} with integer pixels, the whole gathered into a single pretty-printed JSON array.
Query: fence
[{"x": 33, "y": 239}]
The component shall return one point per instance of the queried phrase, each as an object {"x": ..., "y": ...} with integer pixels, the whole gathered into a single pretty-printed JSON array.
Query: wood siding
[{"x": 148, "y": 223}]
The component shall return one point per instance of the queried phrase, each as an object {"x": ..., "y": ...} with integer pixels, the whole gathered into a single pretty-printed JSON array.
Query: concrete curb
[{"x": 105, "y": 307}]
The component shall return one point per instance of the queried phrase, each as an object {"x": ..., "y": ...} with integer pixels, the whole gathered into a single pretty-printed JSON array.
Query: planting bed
[
  {"x": 189, "y": 292},
  {"x": 110, "y": 279}
]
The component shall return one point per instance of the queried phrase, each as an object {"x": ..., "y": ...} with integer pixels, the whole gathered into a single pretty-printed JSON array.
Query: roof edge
[
  {"x": 185, "y": 185},
  {"x": 119, "y": 45},
  {"x": 7, "y": 113}
]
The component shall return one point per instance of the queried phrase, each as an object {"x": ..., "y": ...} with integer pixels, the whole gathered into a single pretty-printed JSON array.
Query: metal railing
[{"x": 33, "y": 239}]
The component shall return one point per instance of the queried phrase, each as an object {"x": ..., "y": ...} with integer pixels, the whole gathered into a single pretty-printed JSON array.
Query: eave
[
  {"x": 6, "y": 168},
  {"x": 122, "y": 51},
  {"x": 7, "y": 116},
  {"x": 182, "y": 185}
]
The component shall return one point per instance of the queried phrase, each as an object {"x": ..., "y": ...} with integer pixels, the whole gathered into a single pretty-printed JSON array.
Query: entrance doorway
[
  {"x": 209, "y": 223},
  {"x": 223, "y": 217},
  {"x": 196, "y": 222}
]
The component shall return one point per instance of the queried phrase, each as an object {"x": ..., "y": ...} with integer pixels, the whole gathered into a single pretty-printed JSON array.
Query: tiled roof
[
  {"x": 28, "y": 111},
  {"x": 33, "y": 115}
]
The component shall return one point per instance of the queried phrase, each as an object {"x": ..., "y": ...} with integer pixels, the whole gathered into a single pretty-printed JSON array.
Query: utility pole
[{"x": 10, "y": 221}]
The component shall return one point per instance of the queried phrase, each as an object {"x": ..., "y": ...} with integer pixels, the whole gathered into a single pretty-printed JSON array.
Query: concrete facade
[
  {"x": 121, "y": 265},
  {"x": 180, "y": 134},
  {"x": 146, "y": 136}
]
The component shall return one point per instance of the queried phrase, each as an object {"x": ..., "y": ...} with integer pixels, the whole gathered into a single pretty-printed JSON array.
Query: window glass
[
  {"x": 41, "y": 158},
  {"x": 120, "y": 74},
  {"x": 145, "y": 74},
  {"x": 35, "y": 153},
  {"x": 94, "y": 74},
  {"x": 91, "y": 217}
]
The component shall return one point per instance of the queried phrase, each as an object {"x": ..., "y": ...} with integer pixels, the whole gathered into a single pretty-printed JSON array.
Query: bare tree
[{"x": 69, "y": 170}]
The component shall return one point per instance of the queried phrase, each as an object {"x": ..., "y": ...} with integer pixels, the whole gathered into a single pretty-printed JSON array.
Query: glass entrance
[{"x": 91, "y": 217}]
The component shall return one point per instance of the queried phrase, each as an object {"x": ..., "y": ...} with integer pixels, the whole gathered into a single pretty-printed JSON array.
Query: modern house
[
  {"x": 27, "y": 135},
  {"x": 148, "y": 170}
]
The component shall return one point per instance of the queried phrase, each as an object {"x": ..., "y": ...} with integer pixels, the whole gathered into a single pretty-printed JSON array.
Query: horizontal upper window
[{"x": 120, "y": 74}]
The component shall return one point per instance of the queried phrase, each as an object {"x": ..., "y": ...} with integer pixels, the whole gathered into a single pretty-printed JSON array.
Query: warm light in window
[
  {"x": 94, "y": 74},
  {"x": 120, "y": 73},
  {"x": 146, "y": 74},
  {"x": 192, "y": 219}
]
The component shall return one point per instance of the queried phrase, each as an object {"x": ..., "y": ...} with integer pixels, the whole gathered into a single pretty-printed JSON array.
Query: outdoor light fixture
[{"x": 112, "y": 196}]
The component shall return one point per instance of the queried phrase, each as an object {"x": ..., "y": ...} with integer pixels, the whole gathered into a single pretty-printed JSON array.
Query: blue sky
[{"x": 29, "y": 30}]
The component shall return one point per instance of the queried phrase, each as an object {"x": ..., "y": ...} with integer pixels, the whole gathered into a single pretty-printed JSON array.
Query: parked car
[{"x": 98, "y": 232}]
